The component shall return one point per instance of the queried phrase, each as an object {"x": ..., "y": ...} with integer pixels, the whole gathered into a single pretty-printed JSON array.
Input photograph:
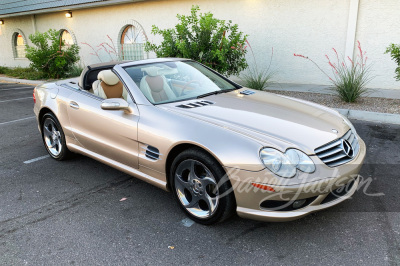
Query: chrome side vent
[
  {"x": 152, "y": 153},
  {"x": 247, "y": 92},
  {"x": 195, "y": 104},
  {"x": 340, "y": 151}
]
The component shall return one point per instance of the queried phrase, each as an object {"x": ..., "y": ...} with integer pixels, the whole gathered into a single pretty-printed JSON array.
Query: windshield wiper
[{"x": 214, "y": 93}]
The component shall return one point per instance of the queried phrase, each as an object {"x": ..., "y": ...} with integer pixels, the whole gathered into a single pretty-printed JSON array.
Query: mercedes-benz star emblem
[{"x": 347, "y": 148}]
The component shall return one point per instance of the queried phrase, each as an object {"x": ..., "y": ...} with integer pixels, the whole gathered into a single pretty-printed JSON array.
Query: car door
[{"x": 109, "y": 133}]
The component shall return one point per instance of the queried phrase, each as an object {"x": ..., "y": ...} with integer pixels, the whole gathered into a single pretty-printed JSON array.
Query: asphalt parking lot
[{"x": 70, "y": 212}]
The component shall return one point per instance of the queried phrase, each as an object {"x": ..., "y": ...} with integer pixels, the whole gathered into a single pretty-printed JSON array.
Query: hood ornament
[{"x": 335, "y": 131}]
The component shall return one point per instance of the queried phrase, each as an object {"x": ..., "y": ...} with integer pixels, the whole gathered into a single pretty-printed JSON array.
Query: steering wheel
[{"x": 187, "y": 84}]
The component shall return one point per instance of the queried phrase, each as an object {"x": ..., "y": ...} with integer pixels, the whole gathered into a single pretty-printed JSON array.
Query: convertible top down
[{"x": 219, "y": 147}]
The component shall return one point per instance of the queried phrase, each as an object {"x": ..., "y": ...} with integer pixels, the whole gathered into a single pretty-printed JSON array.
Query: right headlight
[{"x": 286, "y": 164}]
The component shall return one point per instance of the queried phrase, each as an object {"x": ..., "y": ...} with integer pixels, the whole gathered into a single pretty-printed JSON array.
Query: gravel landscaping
[{"x": 372, "y": 104}]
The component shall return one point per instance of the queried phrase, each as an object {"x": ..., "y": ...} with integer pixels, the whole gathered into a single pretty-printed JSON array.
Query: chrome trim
[{"x": 340, "y": 151}]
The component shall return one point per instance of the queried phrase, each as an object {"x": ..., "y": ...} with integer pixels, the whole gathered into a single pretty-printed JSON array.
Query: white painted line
[
  {"x": 13, "y": 121},
  {"x": 37, "y": 159},
  {"x": 16, "y": 99},
  {"x": 187, "y": 222},
  {"x": 19, "y": 88}
]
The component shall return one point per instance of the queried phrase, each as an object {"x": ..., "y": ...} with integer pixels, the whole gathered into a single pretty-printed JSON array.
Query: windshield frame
[{"x": 234, "y": 84}]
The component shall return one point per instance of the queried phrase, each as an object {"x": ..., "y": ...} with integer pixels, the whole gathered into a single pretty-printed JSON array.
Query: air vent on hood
[
  {"x": 247, "y": 92},
  {"x": 195, "y": 104}
]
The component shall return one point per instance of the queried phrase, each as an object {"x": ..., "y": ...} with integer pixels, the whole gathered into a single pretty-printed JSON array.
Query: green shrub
[
  {"x": 76, "y": 71},
  {"x": 49, "y": 54},
  {"x": 394, "y": 51},
  {"x": 215, "y": 43},
  {"x": 22, "y": 72}
]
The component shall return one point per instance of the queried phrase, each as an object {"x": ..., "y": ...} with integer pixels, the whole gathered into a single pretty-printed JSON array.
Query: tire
[
  {"x": 200, "y": 187},
  {"x": 53, "y": 138}
]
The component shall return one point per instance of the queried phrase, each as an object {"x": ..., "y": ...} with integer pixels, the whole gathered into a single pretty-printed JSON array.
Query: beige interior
[
  {"x": 155, "y": 87},
  {"x": 108, "y": 86}
]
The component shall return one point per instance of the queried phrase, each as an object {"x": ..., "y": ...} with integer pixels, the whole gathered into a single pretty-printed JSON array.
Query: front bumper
[{"x": 316, "y": 189}]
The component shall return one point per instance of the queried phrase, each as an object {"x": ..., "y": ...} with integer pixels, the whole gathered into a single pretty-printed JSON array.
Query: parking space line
[
  {"x": 13, "y": 121},
  {"x": 37, "y": 159},
  {"x": 15, "y": 99},
  {"x": 24, "y": 88}
]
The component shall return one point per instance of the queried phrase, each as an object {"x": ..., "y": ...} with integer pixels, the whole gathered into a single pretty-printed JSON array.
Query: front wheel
[
  {"x": 54, "y": 138},
  {"x": 201, "y": 187}
]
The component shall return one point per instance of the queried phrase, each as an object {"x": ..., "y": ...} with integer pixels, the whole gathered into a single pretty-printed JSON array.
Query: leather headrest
[
  {"x": 152, "y": 71},
  {"x": 108, "y": 77}
]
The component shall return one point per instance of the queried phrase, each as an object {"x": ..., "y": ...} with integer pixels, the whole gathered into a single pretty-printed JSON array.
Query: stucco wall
[{"x": 309, "y": 27}]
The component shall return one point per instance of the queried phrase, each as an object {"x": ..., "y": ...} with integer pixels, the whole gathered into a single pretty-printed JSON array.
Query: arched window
[
  {"x": 66, "y": 37},
  {"x": 131, "y": 42},
  {"x": 19, "y": 45}
]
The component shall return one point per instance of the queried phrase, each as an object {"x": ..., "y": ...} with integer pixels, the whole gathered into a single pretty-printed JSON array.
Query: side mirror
[{"x": 116, "y": 104}]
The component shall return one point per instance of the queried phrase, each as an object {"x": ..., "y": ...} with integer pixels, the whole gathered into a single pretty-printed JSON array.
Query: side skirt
[{"x": 122, "y": 167}]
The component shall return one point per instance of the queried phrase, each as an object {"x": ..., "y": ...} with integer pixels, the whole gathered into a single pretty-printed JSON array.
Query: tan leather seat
[
  {"x": 108, "y": 85},
  {"x": 155, "y": 86}
]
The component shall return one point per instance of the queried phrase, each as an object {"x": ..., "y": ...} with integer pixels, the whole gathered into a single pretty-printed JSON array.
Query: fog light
[{"x": 298, "y": 203}]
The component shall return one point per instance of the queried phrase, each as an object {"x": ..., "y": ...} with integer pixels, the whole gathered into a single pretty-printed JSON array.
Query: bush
[
  {"x": 349, "y": 77},
  {"x": 49, "y": 54},
  {"x": 394, "y": 51},
  {"x": 215, "y": 43}
]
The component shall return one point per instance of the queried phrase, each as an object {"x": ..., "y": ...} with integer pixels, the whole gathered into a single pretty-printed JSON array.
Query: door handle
[{"x": 74, "y": 105}]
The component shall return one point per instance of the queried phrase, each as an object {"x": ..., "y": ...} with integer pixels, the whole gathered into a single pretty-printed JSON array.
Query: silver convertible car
[{"x": 220, "y": 148}]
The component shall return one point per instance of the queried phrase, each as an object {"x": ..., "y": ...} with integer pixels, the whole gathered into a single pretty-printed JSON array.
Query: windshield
[{"x": 176, "y": 81}]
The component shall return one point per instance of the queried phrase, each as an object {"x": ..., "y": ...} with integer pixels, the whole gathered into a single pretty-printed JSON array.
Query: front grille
[
  {"x": 195, "y": 104},
  {"x": 340, "y": 151}
]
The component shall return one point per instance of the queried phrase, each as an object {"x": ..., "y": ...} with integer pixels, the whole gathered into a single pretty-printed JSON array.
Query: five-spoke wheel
[
  {"x": 53, "y": 137},
  {"x": 200, "y": 188}
]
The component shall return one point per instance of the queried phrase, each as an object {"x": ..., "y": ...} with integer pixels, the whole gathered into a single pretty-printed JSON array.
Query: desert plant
[
  {"x": 350, "y": 77},
  {"x": 22, "y": 72},
  {"x": 104, "y": 47},
  {"x": 203, "y": 38},
  {"x": 256, "y": 78},
  {"x": 49, "y": 54},
  {"x": 394, "y": 50}
]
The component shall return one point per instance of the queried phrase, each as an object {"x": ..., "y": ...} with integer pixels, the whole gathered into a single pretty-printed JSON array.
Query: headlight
[{"x": 285, "y": 164}]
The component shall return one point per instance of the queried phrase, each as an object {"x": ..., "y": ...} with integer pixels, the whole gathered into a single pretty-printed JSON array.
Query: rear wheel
[
  {"x": 201, "y": 187},
  {"x": 54, "y": 138}
]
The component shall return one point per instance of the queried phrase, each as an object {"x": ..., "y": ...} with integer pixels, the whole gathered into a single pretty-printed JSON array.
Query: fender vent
[
  {"x": 195, "y": 104},
  {"x": 152, "y": 153},
  {"x": 247, "y": 92}
]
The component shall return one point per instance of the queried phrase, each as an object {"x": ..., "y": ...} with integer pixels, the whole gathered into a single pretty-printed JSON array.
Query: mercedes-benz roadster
[{"x": 219, "y": 147}]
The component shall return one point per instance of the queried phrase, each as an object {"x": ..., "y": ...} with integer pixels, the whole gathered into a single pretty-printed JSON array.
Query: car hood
[{"x": 271, "y": 119}]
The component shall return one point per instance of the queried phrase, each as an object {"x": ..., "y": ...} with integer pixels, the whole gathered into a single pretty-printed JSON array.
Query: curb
[
  {"x": 21, "y": 81},
  {"x": 370, "y": 116}
]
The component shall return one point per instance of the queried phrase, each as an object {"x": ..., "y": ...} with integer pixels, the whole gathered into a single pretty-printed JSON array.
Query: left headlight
[{"x": 285, "y": 164}]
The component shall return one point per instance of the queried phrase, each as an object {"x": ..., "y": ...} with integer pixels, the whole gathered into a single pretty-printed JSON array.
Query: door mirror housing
[{"x": 116, "y": 104}]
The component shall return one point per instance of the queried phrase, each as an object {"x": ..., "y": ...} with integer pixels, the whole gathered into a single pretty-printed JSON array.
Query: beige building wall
[{"x": 308, "y": 27}]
